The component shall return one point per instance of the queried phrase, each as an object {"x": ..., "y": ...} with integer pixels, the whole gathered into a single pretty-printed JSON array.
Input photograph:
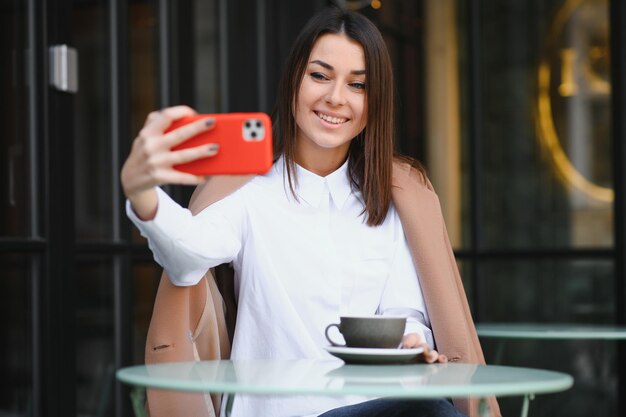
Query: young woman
[{"x": 319, "y": 235}]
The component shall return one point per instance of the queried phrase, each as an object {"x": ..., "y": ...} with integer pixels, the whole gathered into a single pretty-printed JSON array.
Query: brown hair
[{"x": 371, "y": 153}]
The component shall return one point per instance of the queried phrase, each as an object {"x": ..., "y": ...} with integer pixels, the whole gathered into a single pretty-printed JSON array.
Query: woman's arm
[
  {"x": 184, "y": 245},
  {"x": 151, "y": 161}
]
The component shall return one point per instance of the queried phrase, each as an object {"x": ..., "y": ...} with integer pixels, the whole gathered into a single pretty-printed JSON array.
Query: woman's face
[{"x": 331, "y": 108}]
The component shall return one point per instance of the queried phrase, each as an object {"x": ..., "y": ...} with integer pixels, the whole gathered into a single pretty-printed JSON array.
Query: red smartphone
[{"x": 245, "y": 141}]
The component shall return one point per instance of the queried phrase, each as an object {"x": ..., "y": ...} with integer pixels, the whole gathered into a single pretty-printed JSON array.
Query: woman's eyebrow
[{"x": 331, "y": 68}]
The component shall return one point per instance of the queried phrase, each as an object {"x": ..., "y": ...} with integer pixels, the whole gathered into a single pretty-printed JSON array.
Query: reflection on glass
[
  {"x": 92, "y": 126},
  {"x": 574, "y": 115},
  {"x": 206, "y": 56},
  {"x": 545, "y": 170},
  {"x": 579, "y": 291},
  {"x": 95, "y": 366},
  {"x": 574, "y": 94},
  {"x": 16, "y": 322},
  {"x": 14, "y": 147},
  {"x": 146, "y": 276}
]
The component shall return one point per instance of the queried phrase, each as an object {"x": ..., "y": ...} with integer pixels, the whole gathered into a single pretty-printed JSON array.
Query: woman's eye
[
  {"x": 318, "y": 76},
  {"x": 358, "y": 86}
]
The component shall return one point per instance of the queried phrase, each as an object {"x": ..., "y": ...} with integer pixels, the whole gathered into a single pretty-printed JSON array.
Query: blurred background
[{"x": 515, "y": 107}]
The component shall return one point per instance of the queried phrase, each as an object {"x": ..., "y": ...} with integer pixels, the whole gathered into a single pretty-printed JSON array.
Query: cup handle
[{"x": 328, "y": 337}]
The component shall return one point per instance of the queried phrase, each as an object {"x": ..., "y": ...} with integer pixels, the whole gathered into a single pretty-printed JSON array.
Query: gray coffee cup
[{"x": 369, "y": 331}]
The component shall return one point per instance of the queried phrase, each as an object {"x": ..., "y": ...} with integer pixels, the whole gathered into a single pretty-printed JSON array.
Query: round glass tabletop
[
  {"x": 271, "y": 377},
  {"x": 550, "y": 331}
]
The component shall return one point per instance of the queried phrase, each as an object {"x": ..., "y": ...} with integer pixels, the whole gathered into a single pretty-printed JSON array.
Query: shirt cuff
[{"x": 161, "y": 224}]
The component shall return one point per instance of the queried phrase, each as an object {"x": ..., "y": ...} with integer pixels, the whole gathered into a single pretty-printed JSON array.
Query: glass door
[{"x": 21, "y": 243}]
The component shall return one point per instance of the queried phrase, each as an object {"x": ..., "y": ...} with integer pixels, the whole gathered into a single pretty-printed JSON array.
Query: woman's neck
[{"x": 321, "y": 161}]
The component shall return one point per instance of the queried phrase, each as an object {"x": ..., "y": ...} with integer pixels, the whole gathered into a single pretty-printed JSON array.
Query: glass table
[
  {"x": 330, "y": 377},
  {"x": 504, "y": 331},
  {"x": 551, "y": 331}
]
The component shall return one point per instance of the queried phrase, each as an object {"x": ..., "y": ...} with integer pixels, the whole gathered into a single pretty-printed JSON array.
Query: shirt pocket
[{"x": 369, "y": 270}]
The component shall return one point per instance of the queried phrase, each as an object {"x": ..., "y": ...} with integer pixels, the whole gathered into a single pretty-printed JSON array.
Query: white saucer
[{"x": 372, "y": 355}]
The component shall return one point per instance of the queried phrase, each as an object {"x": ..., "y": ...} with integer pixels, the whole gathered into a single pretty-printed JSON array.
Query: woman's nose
[{"x": 335, "y": 95}]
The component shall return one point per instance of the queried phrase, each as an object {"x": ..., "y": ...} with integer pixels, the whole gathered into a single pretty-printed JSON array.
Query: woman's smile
[{"x": 331, "y": 118}]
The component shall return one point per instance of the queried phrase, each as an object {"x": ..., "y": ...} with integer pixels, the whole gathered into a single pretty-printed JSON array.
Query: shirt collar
[{"x": 311, "y": 187}]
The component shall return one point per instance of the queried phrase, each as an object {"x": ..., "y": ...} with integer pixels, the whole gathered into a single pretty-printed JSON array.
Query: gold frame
[{"x": 547, "y": 131}]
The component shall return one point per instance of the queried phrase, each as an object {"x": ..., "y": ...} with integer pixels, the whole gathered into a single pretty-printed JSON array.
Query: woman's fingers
[
  {"x": 182, "y": 156},
  {"x": 187, "y": 131},
  {"x": 411, "y": 340},
  {"x": 149, "y": 143},
  {"x": 161, "y": 119},
  {"x": 151, "y": 161},
  {"x": 431, "y": 355},
  {"x": 176, "y": 112},
  {"x": 158, "y": 168}
]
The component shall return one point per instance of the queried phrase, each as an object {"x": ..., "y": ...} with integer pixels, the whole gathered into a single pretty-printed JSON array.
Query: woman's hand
[
  {"x": 413, "y": 340},
  {"x": 151, "y": 161}
]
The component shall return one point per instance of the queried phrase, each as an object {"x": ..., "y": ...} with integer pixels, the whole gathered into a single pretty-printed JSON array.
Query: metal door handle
[{"x": 64, "y": 68}]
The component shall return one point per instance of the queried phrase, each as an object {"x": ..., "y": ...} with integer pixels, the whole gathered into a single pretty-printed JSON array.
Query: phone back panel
[{"x": 245, "y": 141}]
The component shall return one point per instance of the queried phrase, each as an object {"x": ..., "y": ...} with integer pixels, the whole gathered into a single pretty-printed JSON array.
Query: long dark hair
[{"x": 371, "y": 153}]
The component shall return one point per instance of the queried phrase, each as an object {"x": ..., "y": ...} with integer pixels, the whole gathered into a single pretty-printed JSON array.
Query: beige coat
[{"x": 190, "y": 323}]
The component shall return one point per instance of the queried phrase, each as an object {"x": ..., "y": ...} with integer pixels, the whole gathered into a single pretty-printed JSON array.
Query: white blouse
[{"x": 299, "y": 266}]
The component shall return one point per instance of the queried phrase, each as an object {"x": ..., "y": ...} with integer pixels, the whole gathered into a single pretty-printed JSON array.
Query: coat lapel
[{"x": 422, "y": 221}]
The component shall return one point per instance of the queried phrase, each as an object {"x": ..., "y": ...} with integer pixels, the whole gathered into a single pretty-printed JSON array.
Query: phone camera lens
[
  {"x": 253, "y": 134},
  {"x": 258, "y": 124},
  {"x": 248, "y": 125}
]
